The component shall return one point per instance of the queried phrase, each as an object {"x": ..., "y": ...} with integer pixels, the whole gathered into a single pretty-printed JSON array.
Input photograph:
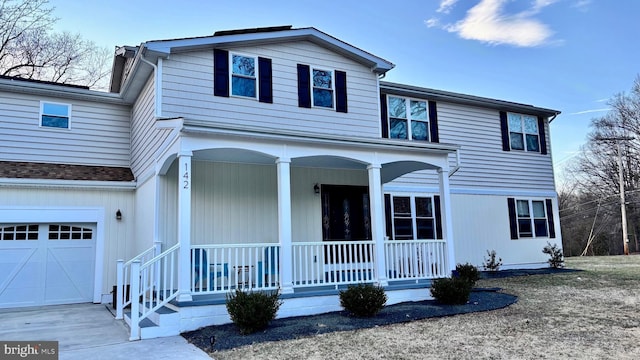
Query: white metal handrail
[
  {"x": 415, "y": 259},
  {"x": 333, "y": 263},
  {"x": 123, "y": 276},
  {"x": 154, "y": 285},
  {"x": 223, "y": 268}
]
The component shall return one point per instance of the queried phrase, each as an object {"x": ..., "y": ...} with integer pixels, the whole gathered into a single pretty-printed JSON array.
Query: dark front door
[{"x": 345, "y": 217}]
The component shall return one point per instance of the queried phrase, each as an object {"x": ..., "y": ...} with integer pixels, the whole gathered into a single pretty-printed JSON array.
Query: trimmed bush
[
  {"x": 468, "y": 273},
  {"x": 491, "y": 263},
  {"x": 556, "y": 258},
  {"x": 252, "y": 311},
  {"x": 363, "y": 300},
  {"x": 451, "y": 291}
]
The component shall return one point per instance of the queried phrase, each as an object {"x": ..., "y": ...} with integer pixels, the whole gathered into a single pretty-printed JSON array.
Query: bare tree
[
  {"x": 595, "y": 176},
  {"x": 29, "y": 49}
]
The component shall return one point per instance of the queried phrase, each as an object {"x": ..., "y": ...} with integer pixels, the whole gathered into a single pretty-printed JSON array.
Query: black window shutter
[
  {"x": 387, "y": 215},
  {"x": 513, "y": 218},
  {"x": 265, "y": 85},
  {"x": 341, "y": 91},
  {"x": 433, "y": 121},
  {"x": 384, "y": 120},
  {"x": 438, "y": 211},
  {"x": 552, "y": 228},
  {"x": 304, "y": 86},
  {"x": 543, "y": 138},
  {"x": 220, "y": 72},
  {"x": 504, "y": 127}
]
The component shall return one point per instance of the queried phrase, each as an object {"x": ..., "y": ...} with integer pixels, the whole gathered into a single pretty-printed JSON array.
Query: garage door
[{"x": 46, "y": 264}]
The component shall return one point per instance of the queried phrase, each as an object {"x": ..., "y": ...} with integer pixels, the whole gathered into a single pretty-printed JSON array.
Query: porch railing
[
  {"x": 123, "y": 278},
  {"x": 415, "y": 259},
  {"x": 333, "y": 263},
  {"x": 153, "y": 285},
  {"x": 222, "y": 268}
]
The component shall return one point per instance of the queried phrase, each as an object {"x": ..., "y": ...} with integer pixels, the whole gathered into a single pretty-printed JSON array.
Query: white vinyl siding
[
  {"x": 99, "y": 134},
  {"x": 145, "y": 138},
  {"x": 483, "y": 163},
  {"x": 237, "y": 203},
  {"x": 481, "y": 223},
  {"x": 187, "y": 90}
]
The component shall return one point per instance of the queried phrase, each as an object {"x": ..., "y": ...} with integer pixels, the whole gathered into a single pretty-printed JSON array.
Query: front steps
[{"x": 162, "y": 322}]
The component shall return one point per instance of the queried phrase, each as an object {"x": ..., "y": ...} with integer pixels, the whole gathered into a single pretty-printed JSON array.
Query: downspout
[
  {"x": 457, "y": 167},
  {"x": 158, "y": 88}
]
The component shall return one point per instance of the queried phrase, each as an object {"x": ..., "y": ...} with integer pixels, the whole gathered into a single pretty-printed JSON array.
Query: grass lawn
[{"x": 592, "y": 314}]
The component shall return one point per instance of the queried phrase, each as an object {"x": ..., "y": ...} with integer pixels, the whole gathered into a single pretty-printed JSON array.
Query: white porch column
[
  {"x": 184, "y": 226},
  {"x": 284, "y": 224},
  {"x": 447, "y": 224},
  {"x": 376, "y": 206}
]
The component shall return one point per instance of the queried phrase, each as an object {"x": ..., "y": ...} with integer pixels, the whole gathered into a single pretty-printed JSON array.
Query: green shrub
[
  {"x": 491, "y": 263},
  {"x": 556, "y": 259},
  {"x": 451, "y": 291},
  {"x": 363, "y": 300},
  {"x": 468, "y": 273},
  {"x": 252, "y": 311}
]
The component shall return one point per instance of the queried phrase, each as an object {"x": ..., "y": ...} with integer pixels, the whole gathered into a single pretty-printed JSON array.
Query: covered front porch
[{"x": 301, "y": 214}]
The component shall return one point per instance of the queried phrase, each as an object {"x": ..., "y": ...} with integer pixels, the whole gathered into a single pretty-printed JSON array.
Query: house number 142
[{"x": 186, "y": 176}]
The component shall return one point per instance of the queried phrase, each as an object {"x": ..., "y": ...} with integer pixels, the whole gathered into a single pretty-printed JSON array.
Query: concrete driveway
[{"x": 89, "y": 331}]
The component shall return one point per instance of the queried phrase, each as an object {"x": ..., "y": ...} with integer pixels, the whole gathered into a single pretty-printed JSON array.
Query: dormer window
[
  {"x": 55, "y": 115},
  {"x": 243, "y": 76}
]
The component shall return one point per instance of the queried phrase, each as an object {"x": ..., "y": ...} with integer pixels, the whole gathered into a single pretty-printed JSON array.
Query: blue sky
[{"x": 569, "y": 55}]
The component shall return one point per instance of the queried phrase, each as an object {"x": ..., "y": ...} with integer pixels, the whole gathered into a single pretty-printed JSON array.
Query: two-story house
[{"x": 261, "y": 159}]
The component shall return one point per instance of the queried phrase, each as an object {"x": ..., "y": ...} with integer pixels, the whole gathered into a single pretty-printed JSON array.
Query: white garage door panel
[
  {"x": 46, "y": 264},
  {"x": 69, "y": 276}
]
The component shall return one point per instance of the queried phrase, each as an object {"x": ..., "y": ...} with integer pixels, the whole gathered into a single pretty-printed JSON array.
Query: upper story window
[
  {"x": 323, "y": 88},
  {"x": 413, "y": 217},
  {"x": 531, "y": 218},
  {"x": 55, "y": 115},
  {"x": 408, "y": 119},
  {"x": 523, "y": 132},
  {"x": 248, "y": 76},
  {"x": 243, "y": 76}
]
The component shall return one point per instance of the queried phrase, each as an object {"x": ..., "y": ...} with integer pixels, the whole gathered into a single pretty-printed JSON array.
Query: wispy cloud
[
  {"x": 488, "y": 22},
  {"x": 446, "y": 5},
  {"x": 590, "y": 111},
  {"x": 582, "y": 5}
]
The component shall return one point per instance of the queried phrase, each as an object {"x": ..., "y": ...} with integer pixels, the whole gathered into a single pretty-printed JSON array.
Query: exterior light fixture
[
  {"x": 316, "y": 189},
  {"x": 118, "y": 215}
]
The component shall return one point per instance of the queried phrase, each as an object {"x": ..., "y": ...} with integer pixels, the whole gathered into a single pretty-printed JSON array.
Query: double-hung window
[
  {"x": 531, "y": 218},
  {"x": 408, "y": 119},
  {"x": 411, "y": 217},
  {"x": 322, "y": 88},
  {"x": 523, "y": 132},
  {"x": 55, "y": 115},
  {"x": 243, "y": 76}
]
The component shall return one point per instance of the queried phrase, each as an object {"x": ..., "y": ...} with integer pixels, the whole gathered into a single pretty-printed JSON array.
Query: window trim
[
  {"x": 409, "y": 120},
  {"x": 524, "y": 132},
  {"x": 42, "y": 113},
  {"x": 515, "y": 218},
  {"x": 414, "y": 216},
  {"x": 255, "y": 78},
  {"x": 332, "y": 89}
]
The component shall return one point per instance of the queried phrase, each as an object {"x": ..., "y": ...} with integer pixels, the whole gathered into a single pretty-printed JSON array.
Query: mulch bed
[{"x": 482, "y": 299}]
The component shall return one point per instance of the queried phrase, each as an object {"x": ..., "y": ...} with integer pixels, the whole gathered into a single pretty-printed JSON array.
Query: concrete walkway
[{"x": 89, "y": 331}]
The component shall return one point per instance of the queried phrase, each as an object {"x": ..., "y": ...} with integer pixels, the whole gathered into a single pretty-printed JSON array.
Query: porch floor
[{"x": 302, "y": 292}]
